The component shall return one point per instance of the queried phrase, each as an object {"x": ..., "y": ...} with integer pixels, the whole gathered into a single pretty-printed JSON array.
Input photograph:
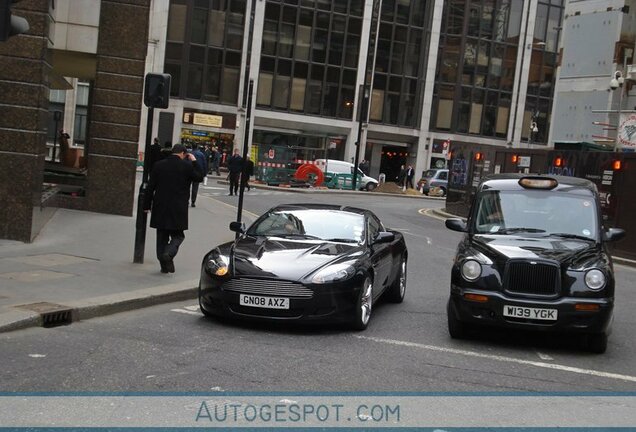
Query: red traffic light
[
  {"x": 478, "y": 156},
  {"x": 616, "y": 165},
  {"x": 515, "y": 158},
  {"x": 558, "y": 162}
]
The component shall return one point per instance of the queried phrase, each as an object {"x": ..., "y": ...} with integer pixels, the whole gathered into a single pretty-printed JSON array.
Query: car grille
[
  {"x": 528, "y": 278},
  {"x": 268, "y": 287}
]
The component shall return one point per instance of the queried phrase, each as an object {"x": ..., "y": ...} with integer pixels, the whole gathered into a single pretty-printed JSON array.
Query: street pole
[
  {"x": 617, "y": 146},
  {"x": 56, "y": 116},
  {"x": 246, "y": 137},
  {"x": 142, "y": 217}
]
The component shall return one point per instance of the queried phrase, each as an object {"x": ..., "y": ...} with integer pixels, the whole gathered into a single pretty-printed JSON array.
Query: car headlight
[
  {"x": 217, "y": 265},
  {"x": 333, "y": 273},
  {"x": 471, "y": 270},
  {"x": 595, "y": 279}
]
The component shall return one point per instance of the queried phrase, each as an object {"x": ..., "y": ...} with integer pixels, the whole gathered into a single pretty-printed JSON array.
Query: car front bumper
[
  {"x": 334, "y": 303},
  {"x": 491, "y": 312}
]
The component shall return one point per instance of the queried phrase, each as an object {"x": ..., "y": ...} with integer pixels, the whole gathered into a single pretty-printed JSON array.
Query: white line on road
[
  {"x": 553, "y": 366},
  {"x": 185, "y": 312},
  {"x": 194, "y": 308},
  {"x": 544, "y": 357}
]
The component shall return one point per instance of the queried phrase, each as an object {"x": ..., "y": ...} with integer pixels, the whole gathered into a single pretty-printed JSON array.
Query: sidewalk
[
  {"x": 80, "y": 265},
  {"x": 84, "y": 262}
]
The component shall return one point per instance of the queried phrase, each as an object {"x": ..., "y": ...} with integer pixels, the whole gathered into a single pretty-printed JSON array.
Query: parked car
[
  {"x": 534, "y": 256},
  {"x": 305, "y": 262},
  {"x": 434, "y": 178},
  {"x": 333, "y": 166}
]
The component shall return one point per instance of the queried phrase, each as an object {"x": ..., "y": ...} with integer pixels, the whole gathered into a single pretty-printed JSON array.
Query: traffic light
[
  {"x": 157, "y": 90},
  {"x": 10, "y": 25}
]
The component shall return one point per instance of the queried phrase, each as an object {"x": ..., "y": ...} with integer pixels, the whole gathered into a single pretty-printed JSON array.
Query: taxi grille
[
  {"x": 532, "y": 278},
  {"x": 268, "y": 287}
]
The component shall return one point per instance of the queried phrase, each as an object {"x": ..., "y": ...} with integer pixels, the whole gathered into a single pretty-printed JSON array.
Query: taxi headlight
[
  {"x": 471, "y": 270},
  {"x": 333, "y": 273},
  {"x": 595, "y": 279},
  {"x": 217, "y": 265}
]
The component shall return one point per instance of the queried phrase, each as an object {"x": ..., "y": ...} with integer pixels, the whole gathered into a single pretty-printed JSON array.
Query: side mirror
[
  {"x": 456, "y": 225},
  {"x": 238, "y": 227},
  {"x": 384, "y": 237},
  {"x": 613, "y": 234}
]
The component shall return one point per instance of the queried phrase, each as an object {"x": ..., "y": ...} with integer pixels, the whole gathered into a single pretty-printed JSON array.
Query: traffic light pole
[{"x": 142, "y": 217}]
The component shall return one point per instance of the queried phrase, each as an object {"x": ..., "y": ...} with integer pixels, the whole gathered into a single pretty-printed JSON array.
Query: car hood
[
  {"x": 287, "y": 259},
  {"x": 547, "y": 248}
]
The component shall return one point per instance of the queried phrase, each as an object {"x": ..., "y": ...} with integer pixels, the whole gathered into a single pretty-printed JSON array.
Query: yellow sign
[{"x": 207, "y": 120}]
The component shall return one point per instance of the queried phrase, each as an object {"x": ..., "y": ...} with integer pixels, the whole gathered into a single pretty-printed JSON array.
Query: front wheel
[
  {"x": 396, "y": 292},
  {"x": 364, "y": 306},
  {"x": 371, "y": 186},
  {"x": 597, "y": 343},
  {"x": 456, "y": 328}
]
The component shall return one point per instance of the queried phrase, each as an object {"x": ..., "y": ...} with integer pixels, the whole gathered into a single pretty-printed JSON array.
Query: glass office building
[{"x": 479, "y": 71}]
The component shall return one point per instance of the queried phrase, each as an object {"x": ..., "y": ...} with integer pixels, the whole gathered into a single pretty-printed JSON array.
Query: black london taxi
[{"x": 534, "y": 257}]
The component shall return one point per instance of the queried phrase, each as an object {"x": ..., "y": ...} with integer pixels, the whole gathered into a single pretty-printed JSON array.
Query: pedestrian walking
[
  {"x": 235, "y": 166},
  {"x": 401, "y": 178},
  {"x": 203, "y": 166},
  {"x": 410, "y": 173},
  {"x": 364, "y": 167},
  {"x": 167, "y": 197},
  {"x": 249, "y": 172},
  {"x": 215, "y": 160},
  {"x": 155, "y": 154}
]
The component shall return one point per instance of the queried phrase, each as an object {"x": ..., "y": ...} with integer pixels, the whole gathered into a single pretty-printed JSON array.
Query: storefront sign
[
  {"x": 207, "y": 120},
  {"x": 627, "y": 131},
  {"x": 524, "y": 161}
]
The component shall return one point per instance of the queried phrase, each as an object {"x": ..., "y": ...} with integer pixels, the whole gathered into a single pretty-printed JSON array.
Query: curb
[
  {"x": 333, "y": 191},
  {"x": 106, "y": 305}
]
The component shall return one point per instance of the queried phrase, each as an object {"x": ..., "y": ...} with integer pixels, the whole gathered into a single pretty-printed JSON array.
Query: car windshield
[
  {"x": 537, "y": 212},
  {"x": 311, "y": 224},
  {"x": 430, "y": 173}
]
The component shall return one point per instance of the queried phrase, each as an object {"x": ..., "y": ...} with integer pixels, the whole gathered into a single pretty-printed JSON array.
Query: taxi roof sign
[{"x": 538, "y": 183}]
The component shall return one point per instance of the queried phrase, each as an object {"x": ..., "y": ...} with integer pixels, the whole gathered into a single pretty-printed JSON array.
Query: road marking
[
  {"x": 230, "y": 205},
  {"x": 553, "y": 366},
  {"x": 185, "y": 312},
  {"x": 194, "y": 308},
  {"x": 544, "y": 357},
  {"x": 37, "y": 355},
  {"x": 429, "y": 213}
]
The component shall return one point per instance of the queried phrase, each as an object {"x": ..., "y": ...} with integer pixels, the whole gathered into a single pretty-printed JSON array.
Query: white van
[{"x": 342, "y": 167}]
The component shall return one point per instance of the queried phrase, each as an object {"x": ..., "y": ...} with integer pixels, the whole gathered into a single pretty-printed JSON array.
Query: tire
[
  {"x": 370, "y": 186},
  {"x": 397, "y": 290},
  {"x": 364, "y": 306},
  {"x": 456, "y": 328},
  {"x": 443, "y": 191},
  {"x": 597, "y": 343}
]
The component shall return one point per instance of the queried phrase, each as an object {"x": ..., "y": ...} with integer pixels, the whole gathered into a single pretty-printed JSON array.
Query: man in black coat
[
  {"x": 235, "y": 166},
  {"x": 167, "y": 195}
]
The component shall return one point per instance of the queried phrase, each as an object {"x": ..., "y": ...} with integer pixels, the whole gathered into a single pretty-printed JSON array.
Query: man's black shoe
[
  {"x": 193, "y": 205},
  {"x": 168, "y": 262},
  {"x": 230, "y": 194}
]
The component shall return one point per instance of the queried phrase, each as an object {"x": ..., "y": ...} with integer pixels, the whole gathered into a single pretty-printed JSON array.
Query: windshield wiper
[
  {"x": 341, "y": 240},
  {"x": 572, "y": 236},
  {"x": 518, "y": 229},
  {"x": 291, "y": 235}
]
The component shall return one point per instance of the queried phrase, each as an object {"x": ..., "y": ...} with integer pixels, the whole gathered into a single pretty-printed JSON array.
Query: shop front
[{"x": 209, "y": 129}]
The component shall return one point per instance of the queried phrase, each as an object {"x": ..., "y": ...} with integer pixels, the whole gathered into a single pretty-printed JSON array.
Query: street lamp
[{"x": 617, "y": 82}]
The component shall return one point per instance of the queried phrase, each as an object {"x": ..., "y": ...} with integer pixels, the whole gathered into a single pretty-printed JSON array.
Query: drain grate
[{"x": 52, "y": 314}]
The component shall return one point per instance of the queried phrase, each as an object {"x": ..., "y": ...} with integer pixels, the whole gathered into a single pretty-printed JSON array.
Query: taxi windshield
[{"x": 553, "y": 213}]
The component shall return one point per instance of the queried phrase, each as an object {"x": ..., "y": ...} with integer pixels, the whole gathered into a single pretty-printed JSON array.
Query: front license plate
[
  {"x": 530, "y": 313},
  {"x": 264, "y": 302}
]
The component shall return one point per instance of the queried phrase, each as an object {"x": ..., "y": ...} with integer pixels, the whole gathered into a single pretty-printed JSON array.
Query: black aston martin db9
[{"x": 306, "y": 262}]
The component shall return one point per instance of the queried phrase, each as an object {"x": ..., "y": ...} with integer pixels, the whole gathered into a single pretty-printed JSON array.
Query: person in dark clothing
[
  {"x": 215, "y": 161},
  {"x": 401, "y": 179},
  {"x": 155, "y": 154},
  {"x": 364, "y": 167},
  {"x": 203, "y": 166},
  {"x": 166, "y": 150},
  {"x": 167, "y": 195},
  {"x": 410, "y": 173},
  {"x": 235, "y": 166},
  {"x": 249, "y": 172}
]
